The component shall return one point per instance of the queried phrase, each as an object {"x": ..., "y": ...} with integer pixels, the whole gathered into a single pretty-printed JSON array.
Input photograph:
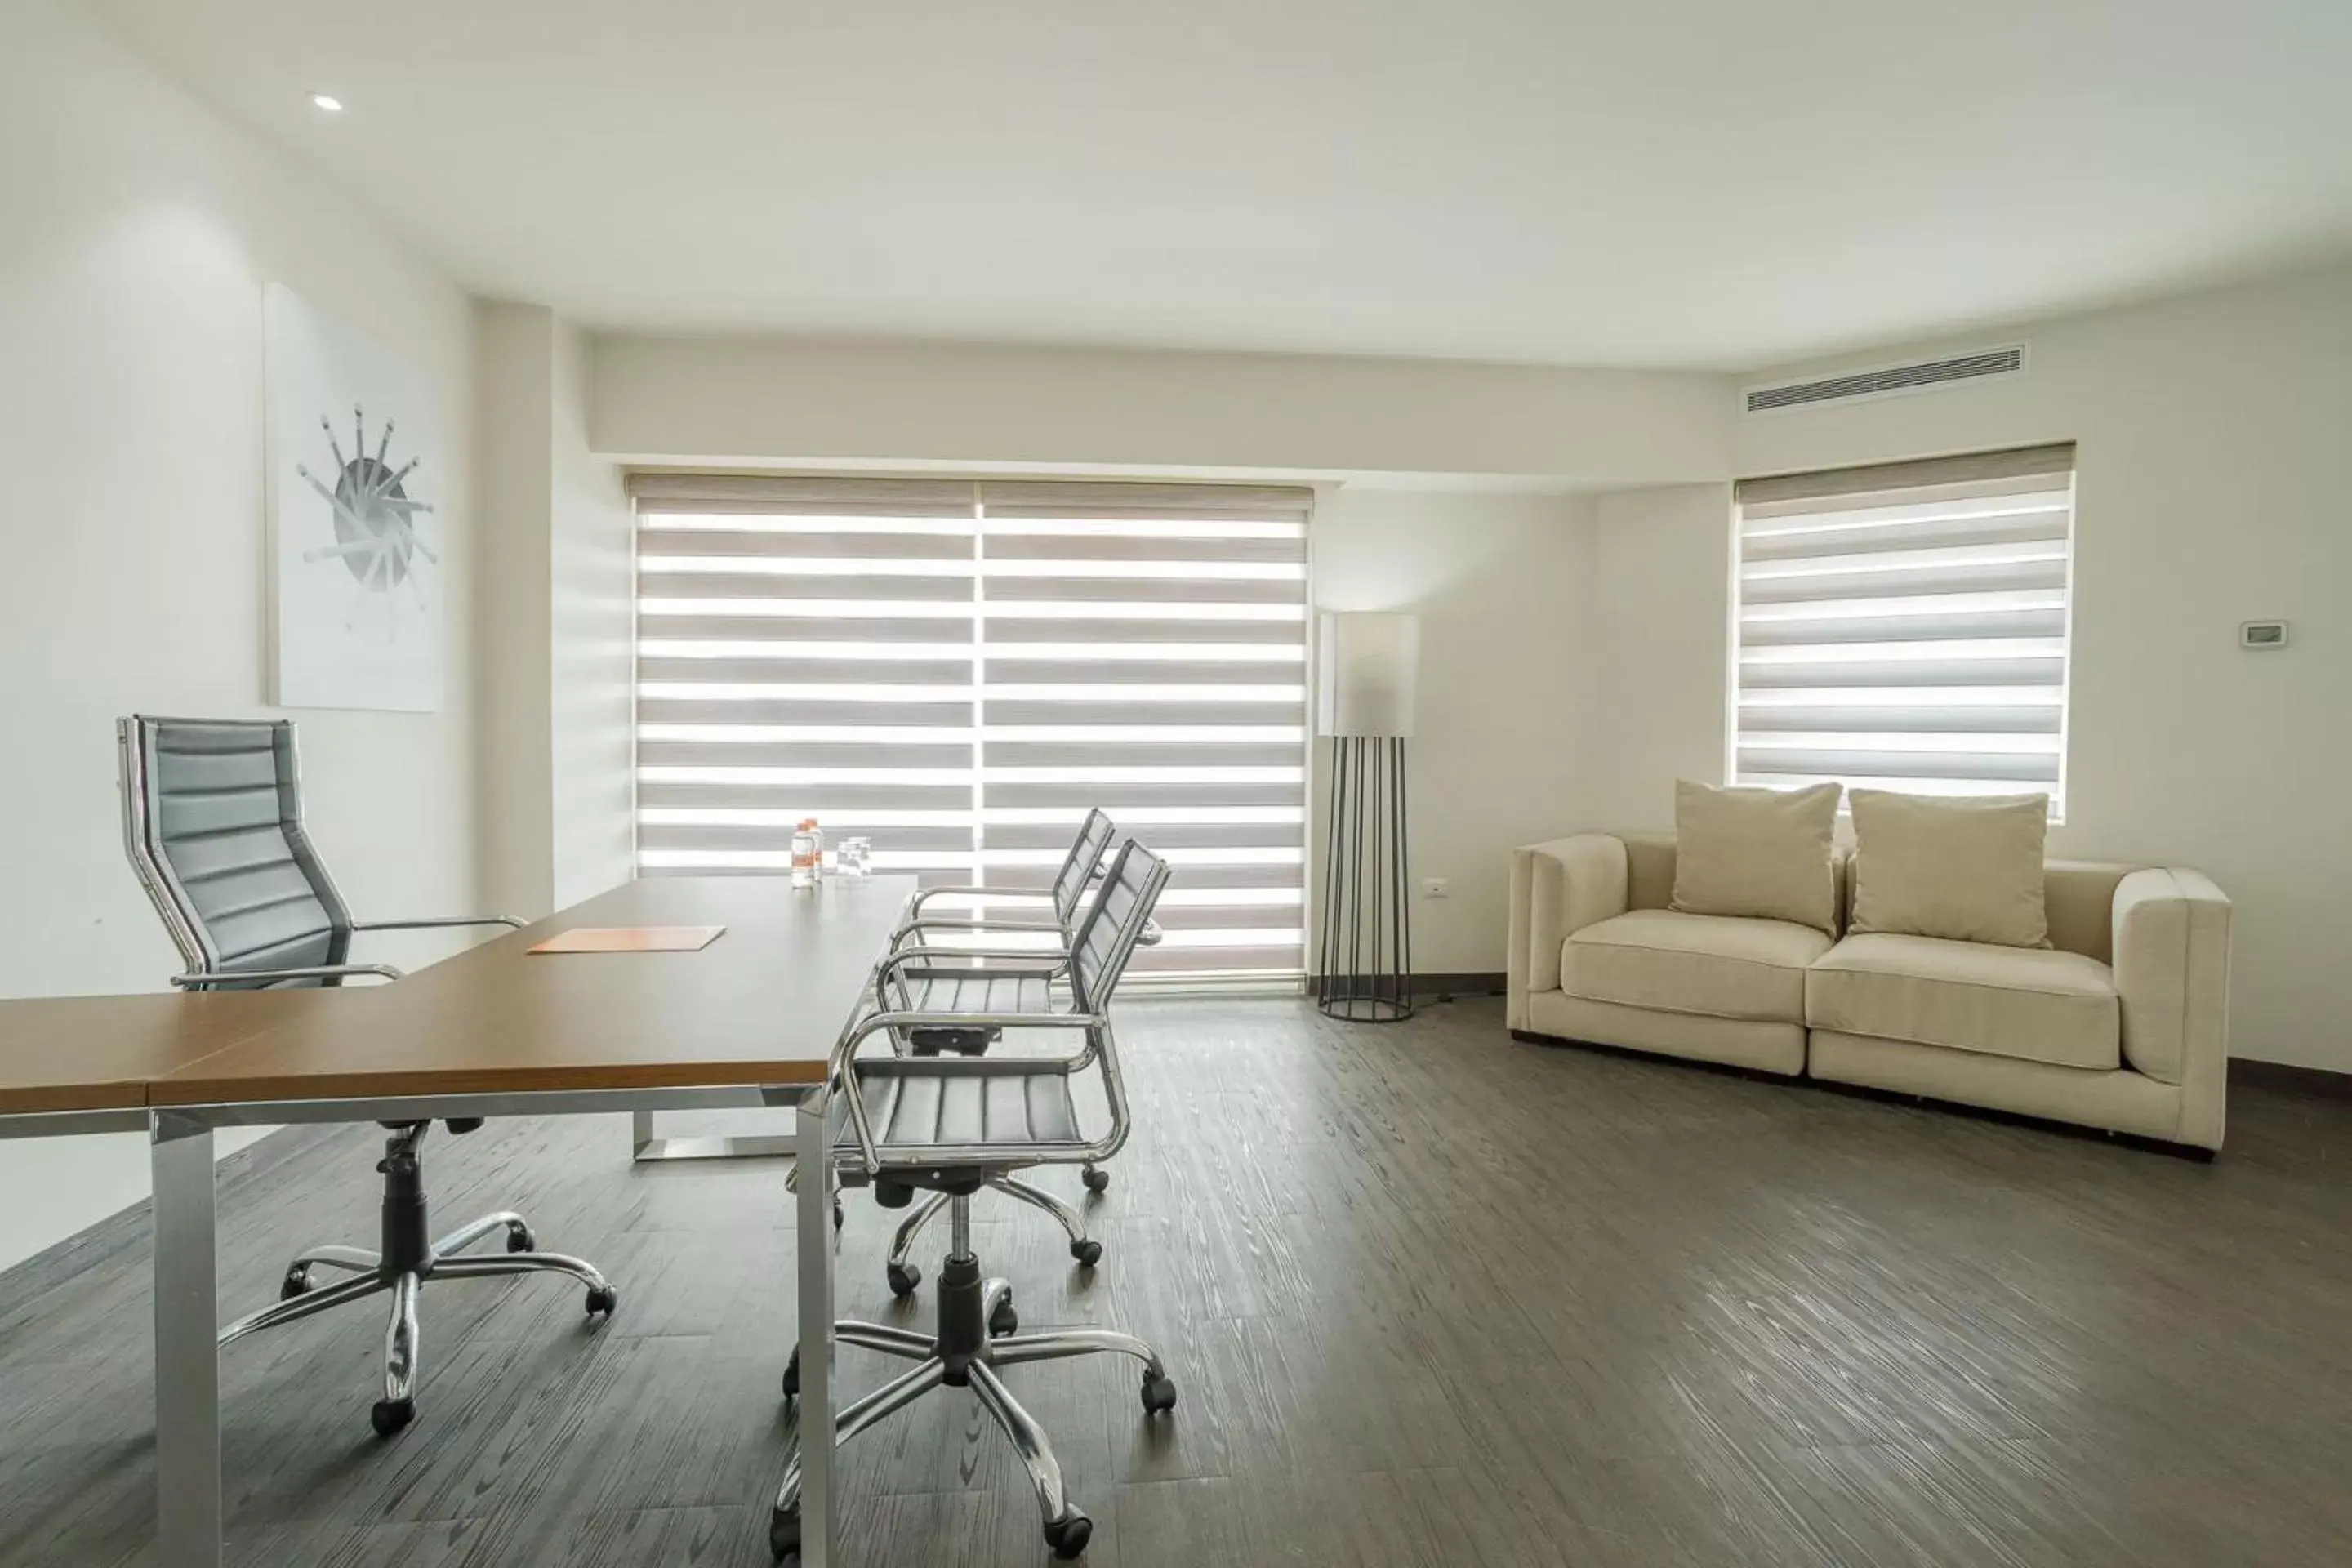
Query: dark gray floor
[{"x": 1432, "y": 1298}]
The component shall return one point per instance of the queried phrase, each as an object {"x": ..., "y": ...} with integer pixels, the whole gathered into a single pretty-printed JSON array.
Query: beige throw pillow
[
  {"x": 1966, "y": 868},
  {"x": 1762, "y": 853}
]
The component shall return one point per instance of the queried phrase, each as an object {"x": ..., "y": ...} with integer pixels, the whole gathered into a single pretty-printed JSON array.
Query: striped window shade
[
  {"x": 1905, "y": 626},
  {"x": 960, "y": 670}
]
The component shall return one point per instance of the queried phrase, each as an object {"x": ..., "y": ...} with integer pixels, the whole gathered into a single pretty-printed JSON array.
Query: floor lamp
[{"x": 1365, "y": 673}]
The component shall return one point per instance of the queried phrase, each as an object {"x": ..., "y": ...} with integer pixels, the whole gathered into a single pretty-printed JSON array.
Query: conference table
[{"x": 749, "y": 1020}]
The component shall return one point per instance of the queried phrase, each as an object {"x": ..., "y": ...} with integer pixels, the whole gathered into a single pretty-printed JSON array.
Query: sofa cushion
[
  {"x": 1764, "y": 853},
  {"x": 1969, "y": 869},
  {"x": 2034, "y": 1003},
  {"x": 1714, "y": 965}
]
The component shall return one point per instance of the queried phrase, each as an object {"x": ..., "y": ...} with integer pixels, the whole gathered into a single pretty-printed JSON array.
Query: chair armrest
[
  {"x": 1026, "y": 895},
  {"x": 2172, "y": 974},
  {"x": 915, "y": 928},
  {"x": 840, "y": 1071},
  {"x": 439, "y": 921},
  {"x": 1021, "y": 960},
  {"x": 1557, "y": 888},
  {"x": 307, "y": 972}
]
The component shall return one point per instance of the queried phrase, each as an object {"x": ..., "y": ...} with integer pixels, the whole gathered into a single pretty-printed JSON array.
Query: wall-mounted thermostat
[{"x": 2262, "y": 634}]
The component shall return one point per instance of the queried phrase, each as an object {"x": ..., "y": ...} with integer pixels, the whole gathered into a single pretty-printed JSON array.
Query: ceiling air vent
[{"x": 1888, "y": 381}]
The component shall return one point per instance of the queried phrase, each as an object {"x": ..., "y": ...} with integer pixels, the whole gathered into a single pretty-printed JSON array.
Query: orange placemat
[{"x": 632, "y": 939}]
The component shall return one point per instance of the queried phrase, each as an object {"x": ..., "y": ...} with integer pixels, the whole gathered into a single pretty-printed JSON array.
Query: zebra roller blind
[
  {"x": 958, "y": 671},
  {"x": 1905, "y": 627}
]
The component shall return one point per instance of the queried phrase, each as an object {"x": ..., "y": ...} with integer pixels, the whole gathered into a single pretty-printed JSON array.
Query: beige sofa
[{"x": 2121, "y": 1024}]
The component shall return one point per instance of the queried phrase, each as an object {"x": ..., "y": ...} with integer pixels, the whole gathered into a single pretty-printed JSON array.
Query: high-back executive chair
[
  {"x": 213, "y": 820},
  {"x": 956, "y": 983},
  {"x": 949, "y": 1124}
]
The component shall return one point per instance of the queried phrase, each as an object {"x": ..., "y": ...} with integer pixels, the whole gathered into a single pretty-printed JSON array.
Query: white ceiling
[{"x": 1683, "y": 183}]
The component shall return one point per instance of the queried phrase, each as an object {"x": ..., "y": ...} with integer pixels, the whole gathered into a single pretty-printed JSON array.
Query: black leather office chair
[
  {"x": 212, "y": 813},
  {"x": 953, "y": 1124}
]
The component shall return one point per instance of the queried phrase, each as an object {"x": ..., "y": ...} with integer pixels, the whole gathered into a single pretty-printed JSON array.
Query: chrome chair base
[
  {"x": 405, "y": 1266},
  {"x": 979, "y": 1331},
  {"x": 1087, "y": 1252}
]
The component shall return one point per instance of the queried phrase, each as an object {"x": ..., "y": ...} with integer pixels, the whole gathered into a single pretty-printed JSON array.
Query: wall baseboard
[
  {"x": 2247, "y": 1073},
  {"x": 1432, "y": 983}
]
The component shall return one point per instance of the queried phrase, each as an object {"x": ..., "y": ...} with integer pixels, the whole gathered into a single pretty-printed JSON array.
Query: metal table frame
[
  {"x": 645, "y": 1147},
  {"x": 188, "y": 1506}
]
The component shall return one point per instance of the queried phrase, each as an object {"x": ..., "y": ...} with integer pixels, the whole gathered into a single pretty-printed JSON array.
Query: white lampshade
[{"x": 1366, "y": 667}]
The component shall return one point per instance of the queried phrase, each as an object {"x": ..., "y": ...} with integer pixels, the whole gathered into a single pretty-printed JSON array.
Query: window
[
  {"x": 959, "y": 672},
  {"x": 1905, "y": 627}
]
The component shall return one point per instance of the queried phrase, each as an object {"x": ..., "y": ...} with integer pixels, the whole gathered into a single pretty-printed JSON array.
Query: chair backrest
[
  {"x": 1114, "y": 924},
  {"x": 1085, "y": 854},
  {"x": 212, "y": 813}
]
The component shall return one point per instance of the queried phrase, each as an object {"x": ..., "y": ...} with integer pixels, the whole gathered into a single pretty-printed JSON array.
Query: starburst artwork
[
  {"x": 359, "y": 594},
  {"x": 375, "y": 532}
]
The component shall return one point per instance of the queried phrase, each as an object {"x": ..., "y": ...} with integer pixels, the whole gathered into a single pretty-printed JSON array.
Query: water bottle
[{"x": 808, "y": 853}]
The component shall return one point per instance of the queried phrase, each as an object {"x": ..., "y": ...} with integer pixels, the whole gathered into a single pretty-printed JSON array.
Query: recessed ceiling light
[{"x": 328, "y": 102}]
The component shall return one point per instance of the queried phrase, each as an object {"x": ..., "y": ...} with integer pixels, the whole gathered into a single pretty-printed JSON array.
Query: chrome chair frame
[
  {"x": 405, "y": 1260},
  {"x": 977, "y": 1328},
  {"x": 1081, "y": 868}
]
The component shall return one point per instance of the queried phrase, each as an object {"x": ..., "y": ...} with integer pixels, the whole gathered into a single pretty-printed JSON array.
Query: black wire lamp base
[{"x": 1366, "y": 972}]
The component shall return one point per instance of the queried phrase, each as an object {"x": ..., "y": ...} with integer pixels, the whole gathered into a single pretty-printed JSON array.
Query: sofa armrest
[
  {"x": 1557, "y": 889},
  {"x": 2172, "y": 973}
]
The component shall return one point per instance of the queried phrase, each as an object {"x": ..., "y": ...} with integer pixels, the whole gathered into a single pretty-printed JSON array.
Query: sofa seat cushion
[
  {"x": 1714, "y": 965},
  {"x": 2038, "y": 1004}
]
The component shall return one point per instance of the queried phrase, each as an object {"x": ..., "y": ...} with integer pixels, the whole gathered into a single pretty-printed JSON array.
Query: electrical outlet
[{"x": 1435, "y": 888}]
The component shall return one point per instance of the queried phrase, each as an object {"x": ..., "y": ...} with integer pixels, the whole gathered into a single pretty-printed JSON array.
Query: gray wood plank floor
[{"x": 1432, "y": 1298}]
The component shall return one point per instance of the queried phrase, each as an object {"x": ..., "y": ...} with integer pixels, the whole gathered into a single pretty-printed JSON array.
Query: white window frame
[
  {"x": 1202, "y": 611},
  {"x": 1970, "y": 487}
]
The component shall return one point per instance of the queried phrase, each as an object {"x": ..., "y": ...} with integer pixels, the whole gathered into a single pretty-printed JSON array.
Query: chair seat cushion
[
  {"x": 1719, "y": 966},
  {"x": 2038, "y": 1004},
  {"x": 952, "y": 989},
  {"x": 914, "y": 1107}
]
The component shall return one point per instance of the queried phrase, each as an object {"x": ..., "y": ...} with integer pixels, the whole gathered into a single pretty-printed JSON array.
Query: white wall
[
  {"x": 1656, "y": 623},
  {"x": 2211, "y": 490},
  {"x": 556, "y": 617},
  {"x": 593, "y": 612},
  {"x": 1497, "y": 582},
  {"x": 2208, "y": 429},
  {"x": 514, "y": 355},
  {"x": 1494, "y": 573},
  {"x": 719, "y": 400},
  {"x": 139, "y": 231}
]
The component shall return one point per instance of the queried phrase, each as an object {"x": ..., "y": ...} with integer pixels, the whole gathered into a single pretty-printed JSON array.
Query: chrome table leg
[
  {"x": 187, "y": 1353},
  {"x": 814, "y": 1244}
]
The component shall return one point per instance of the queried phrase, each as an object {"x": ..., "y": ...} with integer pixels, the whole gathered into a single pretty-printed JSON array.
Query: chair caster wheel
[
  {"x": 521, "y": 1239},
  {"x": 904, "y": 1278},
  {"x": 1070, "y": 1534},
  {"x": 1097, "y": 1181},
  {"x": 793, "y": 1377},
  {"x": 1088, "y": 1253},
  {"x": 391, "y": 1414},
  {"x": 296, "y": 1283},
  {"x": 785, "y": 1535},
  {"x": 604, "y": 1299},
  {"x": 1158, "y": 1394},
  {"x": 1003, "y": 1321}
]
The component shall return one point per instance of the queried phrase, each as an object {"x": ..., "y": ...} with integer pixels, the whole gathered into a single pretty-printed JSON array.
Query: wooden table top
[
  {"x": 762, "y": 1004},
  {"x": 100, "y": 1053}
]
